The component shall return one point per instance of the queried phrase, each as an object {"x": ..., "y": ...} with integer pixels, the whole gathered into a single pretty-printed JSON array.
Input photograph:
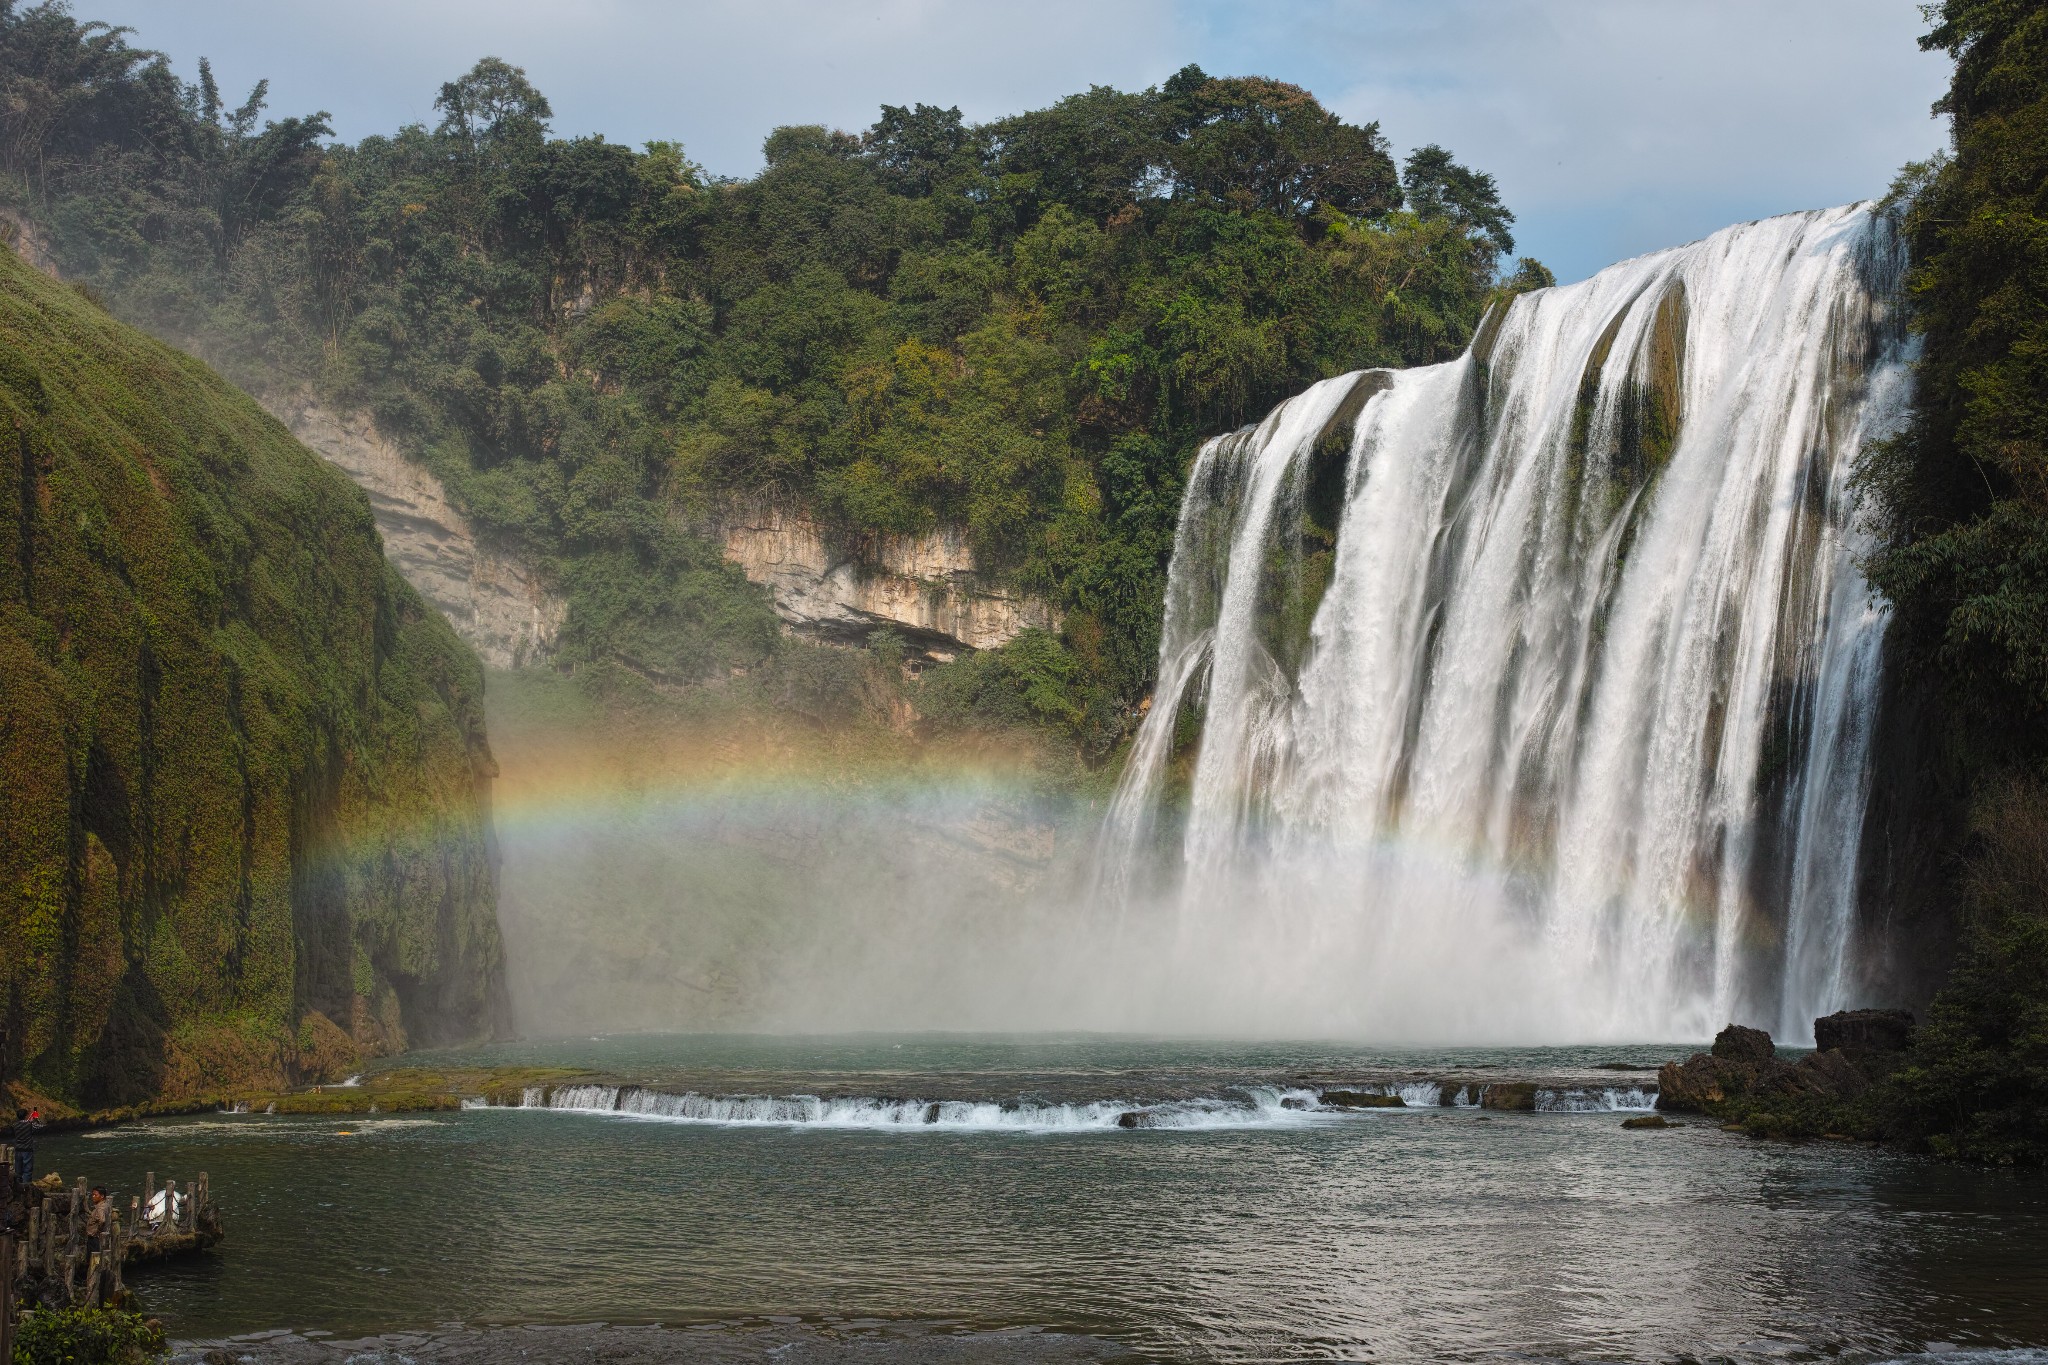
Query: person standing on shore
[
  {"x": 97, "y": 1215},
  {"x": 27, "y": 1122}
]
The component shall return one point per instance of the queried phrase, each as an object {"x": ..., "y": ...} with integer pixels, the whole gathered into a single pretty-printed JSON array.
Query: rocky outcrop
[
  {"x": 842, "y": 589},
  {"x": 1858, "y": 1048},
  {"x": 1510, "y": 1095},
  {"x": 494, "y": 602},
  {"x": 28, "y": 241},
  {"x": 1864, "y": 1031}
]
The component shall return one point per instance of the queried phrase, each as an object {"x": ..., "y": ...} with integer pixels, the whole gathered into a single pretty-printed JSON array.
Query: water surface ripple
[{"x": 1437, "y": 1233}]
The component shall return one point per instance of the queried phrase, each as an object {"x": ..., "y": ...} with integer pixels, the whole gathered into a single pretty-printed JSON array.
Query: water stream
[{"x": 1535, "y": 689}]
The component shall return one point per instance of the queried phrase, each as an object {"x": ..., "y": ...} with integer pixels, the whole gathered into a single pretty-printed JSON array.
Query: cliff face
[
  {"x": 244, "y": 823},
  {"x": 926, "y": 586},
  {"x": 494, "y": 602}
]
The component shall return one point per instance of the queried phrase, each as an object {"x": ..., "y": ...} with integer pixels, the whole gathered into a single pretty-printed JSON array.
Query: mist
[{"x": 705, "y": 875}]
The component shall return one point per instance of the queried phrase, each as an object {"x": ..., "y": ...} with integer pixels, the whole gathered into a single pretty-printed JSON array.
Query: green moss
[
  {"x": 1643, "y": 429},
  {"x": 242, "y": 762}
]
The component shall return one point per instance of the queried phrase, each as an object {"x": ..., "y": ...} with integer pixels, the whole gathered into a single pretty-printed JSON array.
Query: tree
[
  {"x": 492, "y": 106},
  {"x": 915, "y": 149},
  {"x": 1438, "y": 187},
  {"x": 1264, "y": 144},
  {"x": 1961, "y": 502}
]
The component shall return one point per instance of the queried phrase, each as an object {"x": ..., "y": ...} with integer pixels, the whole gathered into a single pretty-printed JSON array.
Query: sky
[{"x": 1613, "y": 127}]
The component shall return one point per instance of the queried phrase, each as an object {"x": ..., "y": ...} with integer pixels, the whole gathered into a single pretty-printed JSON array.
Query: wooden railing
[{"x": 50, "y": 1253}]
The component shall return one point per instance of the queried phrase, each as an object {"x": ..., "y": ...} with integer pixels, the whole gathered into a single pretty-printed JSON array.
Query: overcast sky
[{"x": 1613, "y": 126}]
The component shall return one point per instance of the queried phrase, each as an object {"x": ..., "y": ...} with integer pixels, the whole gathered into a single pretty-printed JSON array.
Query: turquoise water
[{"x": 1399, "y": 1234}]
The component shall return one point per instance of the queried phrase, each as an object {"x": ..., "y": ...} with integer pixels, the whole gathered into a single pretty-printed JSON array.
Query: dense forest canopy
[
  {"x": 1961, "y": 504},
  {"x": 1021, "y": 328}
]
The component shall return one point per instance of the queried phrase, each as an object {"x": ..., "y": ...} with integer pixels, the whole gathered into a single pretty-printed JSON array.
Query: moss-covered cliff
[{"x": 244, "y": 823}]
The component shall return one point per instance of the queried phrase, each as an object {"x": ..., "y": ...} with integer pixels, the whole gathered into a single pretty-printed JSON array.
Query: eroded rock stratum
[{"x": 494, "y": 601}]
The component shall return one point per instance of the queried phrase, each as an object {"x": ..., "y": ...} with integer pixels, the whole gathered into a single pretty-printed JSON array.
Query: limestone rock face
[
  {"x": 1858, "y": 1048},
  {"x": 494, "y": 602},
  {"x": 837, "y": 589},
  {"x": 1855, "y": 1031}
]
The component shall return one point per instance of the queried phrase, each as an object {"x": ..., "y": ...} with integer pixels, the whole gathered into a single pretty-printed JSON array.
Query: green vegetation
[
  {"x": 1963, "y": 500},
  {"x": 412, "y": 1090},
  {"x": 1020, "y": 328},
  {"x": 242, "y": 838},
  {"x": 87, "y": 1336}
]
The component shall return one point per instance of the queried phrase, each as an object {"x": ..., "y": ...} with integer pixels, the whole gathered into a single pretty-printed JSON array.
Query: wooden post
[{"x": 7, "y": 1294}]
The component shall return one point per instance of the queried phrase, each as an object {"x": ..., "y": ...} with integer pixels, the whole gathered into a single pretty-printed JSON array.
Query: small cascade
[
  {"x": 1530, "y": 696},
  {"x": 1237, "y": 1106}
]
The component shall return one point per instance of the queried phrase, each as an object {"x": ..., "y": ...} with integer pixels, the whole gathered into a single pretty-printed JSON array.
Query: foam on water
[{"x": 1251, "y": 1106}]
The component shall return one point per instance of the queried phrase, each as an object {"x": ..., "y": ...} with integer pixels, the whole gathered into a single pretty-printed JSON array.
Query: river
[{"x": 1249, "y": 1232}]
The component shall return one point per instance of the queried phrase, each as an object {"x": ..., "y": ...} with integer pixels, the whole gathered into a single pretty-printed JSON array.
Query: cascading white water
[{"x": 1575, "y": 742}]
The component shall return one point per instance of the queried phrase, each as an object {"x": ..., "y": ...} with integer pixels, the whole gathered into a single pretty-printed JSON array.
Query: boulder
[
  {"x": 1695, "y": 1083},
  {"x": 1854, "y": 1031},
  {"x": 1362, "y": 1099},
  {"x": 1747, "y": 1045},
  {"x": 1648, "y": 1121},
  {"x": 1509, "y": 1095},
  {"x": 1744, "y": 1063}
]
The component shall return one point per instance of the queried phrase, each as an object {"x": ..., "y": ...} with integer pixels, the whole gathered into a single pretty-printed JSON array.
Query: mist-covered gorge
[{"x": 1534, "y": 691}]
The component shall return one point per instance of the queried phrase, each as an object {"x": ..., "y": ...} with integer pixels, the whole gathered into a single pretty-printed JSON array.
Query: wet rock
[
  {"x": 1858, "y": 1049},
  {"x": 1747, "y": 1045},
  {"x": 1509, "y": 1095},
  {"x": 1294, "y": 1102},
  {"x": 1854, "y": 1050},
  {"x": 1693, "y": 1084},
  {"x": 1835, "y": 1073},
  {"x": 1648, "y": 1121},
  {"x": 1743, "y": 1064},
  {"x": 1853, "y": 1031},
  {"x": 1362, "y": 1099},
  {"x": 1134, "y": 1118}
]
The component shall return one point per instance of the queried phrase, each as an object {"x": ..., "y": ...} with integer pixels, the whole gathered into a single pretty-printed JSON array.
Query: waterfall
[{"x": 1531, "y": 694}]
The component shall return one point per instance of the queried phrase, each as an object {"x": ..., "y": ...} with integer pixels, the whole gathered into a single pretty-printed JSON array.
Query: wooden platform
[{"x": 54, "y": 1260}]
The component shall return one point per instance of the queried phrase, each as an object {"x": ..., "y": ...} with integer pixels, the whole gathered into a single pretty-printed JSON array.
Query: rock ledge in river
[{"x": 1744, "y": 1064}]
